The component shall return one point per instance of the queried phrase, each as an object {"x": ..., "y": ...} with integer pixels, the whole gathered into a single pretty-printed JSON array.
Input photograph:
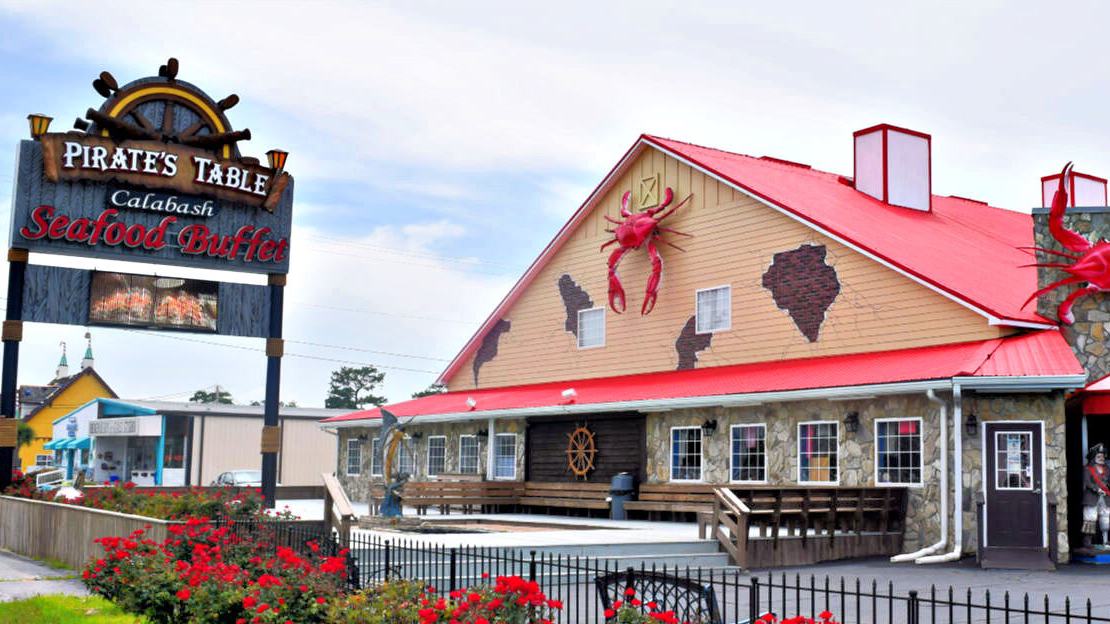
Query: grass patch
[
  {"x": 63, "y": 609},
  {"x": 53, "y": 563}
]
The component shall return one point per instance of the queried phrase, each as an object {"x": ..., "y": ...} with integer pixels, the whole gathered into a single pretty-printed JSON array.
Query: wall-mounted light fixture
[
  {"x": 569, "y": 395},
  {"x": 482, "y": 433},
  {"x": 708, "y": 427},
  {"x": 470, "y": 403},
  {"x": 417, "y": 435},
  {"x": 39, "y": 124},
  {"x": 851, "y": 422},
  {"x": 971, "y": 425},
  {"x": 277, "y": 158}
]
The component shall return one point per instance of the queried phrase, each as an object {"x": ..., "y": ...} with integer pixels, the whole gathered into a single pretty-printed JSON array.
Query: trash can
[{"x": 622, "y": 488}]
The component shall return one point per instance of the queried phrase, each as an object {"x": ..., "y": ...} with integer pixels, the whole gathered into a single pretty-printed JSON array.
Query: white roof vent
[
  {"x": 1083, "y": 190},
  {"x": 894, "y": 165}
]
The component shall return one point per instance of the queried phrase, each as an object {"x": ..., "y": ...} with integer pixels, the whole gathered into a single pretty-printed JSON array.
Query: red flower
[
  {"x": 610, "y": 613},
  {"x": 183, "y": 594},
  {"x": 630, "y": 592}
]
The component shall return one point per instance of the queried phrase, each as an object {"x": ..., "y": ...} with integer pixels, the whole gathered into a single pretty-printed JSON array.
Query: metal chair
[{"x": 689, "y": 600}]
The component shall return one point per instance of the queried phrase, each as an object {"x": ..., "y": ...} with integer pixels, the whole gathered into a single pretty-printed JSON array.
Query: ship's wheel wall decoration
[
  {"x": 581, "y": 451},
  {"x": 163, "y": 108}
]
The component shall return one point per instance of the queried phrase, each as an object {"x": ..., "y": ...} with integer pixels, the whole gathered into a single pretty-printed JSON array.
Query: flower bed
[
  {"x": 205, "y": 573},
  {"x": 125, "y": 498}
]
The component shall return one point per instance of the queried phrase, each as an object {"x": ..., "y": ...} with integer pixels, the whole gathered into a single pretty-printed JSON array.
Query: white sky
[{"x": 439, "y": 146}]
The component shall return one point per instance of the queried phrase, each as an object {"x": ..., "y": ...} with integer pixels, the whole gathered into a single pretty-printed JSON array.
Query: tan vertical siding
[
  {"x": 306, "y": 451},
  {"x": 734, "y": 239}
]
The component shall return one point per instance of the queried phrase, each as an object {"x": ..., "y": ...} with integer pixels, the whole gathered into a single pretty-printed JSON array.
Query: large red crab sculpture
[
  {"x": 1090, "y": 263},
  {"x": 636, "y": 229}
]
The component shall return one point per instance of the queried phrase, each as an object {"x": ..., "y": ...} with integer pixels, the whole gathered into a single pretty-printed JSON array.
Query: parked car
[{"x": 241, "y": 478}]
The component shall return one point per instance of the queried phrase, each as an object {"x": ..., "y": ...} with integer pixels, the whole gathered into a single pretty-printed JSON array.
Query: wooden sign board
[{"x": 83, "y": 214}]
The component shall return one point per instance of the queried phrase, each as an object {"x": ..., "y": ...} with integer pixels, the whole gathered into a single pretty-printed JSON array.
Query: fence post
[
  {"x": 913, "y": 608},
  {"x": 532, "y": 567},
  {"x": 454, "y": 574},
  {"x": 387, "y": 562},
  {"x": 753, "y": 600}
]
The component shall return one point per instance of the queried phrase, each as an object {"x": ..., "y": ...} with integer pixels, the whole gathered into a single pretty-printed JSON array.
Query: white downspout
[
  {"x": 958, "y": 474},
  {"x": 943, "y": 486}
]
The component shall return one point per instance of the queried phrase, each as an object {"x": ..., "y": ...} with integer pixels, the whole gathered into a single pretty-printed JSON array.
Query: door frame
[{"x": 1044, "y": 475}]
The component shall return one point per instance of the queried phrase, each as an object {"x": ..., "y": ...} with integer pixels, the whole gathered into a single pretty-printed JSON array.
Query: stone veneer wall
[
  {"x": 358, "y": 486},
  {"x": 856, "y": 454},
  {"x": 1088, "y": 335},
  {"x": 1045, "y": 407}
]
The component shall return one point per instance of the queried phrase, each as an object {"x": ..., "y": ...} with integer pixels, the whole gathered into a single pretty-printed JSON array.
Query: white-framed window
[
  {"x": 714, "y": 309},
  {"x": 898, "y": 451},
  {"x": 354, "y": 457},
  {"x": 749, "y": 453},
  {"x": 437, "y": 455},
  {"x": 1013, "y": 465},
  {"x": 468, "y": 454},
  {"x": 591, "y": 328},
  {"x": 504, "y": 456},
  {"x": 44, "y": 460},
  {"x": 686, "y": 454},
  {"x": 817, "y": 452},
  {"x": 376, "y": 458}
]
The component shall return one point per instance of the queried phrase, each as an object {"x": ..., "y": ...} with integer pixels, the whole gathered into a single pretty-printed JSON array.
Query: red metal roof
[
  {"x": 1042, "y": 353},
  {"x": 963, "y": 248}
]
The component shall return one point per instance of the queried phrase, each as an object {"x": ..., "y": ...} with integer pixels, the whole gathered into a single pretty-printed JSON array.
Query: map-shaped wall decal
[
  {"x": 689, "y": 343},
  {"x": 488, "y": 350},
  {"x": 574, "y": 300},
  {"x": 803, "y": 285}
]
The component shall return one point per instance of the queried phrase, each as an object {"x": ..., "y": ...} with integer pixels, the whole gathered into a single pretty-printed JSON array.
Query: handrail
[
  {"x": 730, "y": 511},
  {"x": 730, "y": 500},
  {"x": 339, "y": 515}
]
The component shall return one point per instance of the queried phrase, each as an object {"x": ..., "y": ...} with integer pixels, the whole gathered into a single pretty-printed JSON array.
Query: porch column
[{"x": 491, "y": 469}]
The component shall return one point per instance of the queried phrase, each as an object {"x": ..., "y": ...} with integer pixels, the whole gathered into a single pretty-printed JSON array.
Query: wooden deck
[{"x": 757, "y": 526}]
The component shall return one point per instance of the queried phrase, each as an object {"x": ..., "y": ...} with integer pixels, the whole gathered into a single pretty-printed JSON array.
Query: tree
[
  {"x": 436, "y": 388},
  {"x": 351, "y": 388},
  {"x": 217, "y": 396},
  {"x": 280, "y": 404},
  {"x": 25, "y": 434}
]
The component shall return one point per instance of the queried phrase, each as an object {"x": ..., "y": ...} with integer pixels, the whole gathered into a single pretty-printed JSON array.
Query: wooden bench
[
  {"x": 659, "y": 498},
  {"x": 566, "y": 495},
  {"x": 466, "y": 495}
]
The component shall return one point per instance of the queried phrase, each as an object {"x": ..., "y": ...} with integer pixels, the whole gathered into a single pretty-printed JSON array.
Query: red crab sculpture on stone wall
[
  {"x": 636, "y": 229},
  {"x": 1090, "y": 263}
]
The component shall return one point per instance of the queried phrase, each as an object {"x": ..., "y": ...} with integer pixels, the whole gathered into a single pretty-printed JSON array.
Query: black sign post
[{"x": 12, "y": 334}]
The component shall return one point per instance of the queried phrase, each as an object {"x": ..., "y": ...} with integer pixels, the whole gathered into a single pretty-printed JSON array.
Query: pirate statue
[{"x": 1096, "y": 496}]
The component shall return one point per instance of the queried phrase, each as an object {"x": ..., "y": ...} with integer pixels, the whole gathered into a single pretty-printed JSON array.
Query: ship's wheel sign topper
[
  {"x": 1089, "y": 262},
  {"x": 581, "y": 451},
  {"x": 636, "y": 229},
  {"x": 161, "y": 132}
]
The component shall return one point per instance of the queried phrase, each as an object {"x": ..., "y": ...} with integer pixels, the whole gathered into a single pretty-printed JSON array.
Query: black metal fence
[{"x": 740, "y": 597}]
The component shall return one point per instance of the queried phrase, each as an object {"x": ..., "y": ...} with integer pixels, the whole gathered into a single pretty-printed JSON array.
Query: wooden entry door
[{"x": 1014, "y": 492}]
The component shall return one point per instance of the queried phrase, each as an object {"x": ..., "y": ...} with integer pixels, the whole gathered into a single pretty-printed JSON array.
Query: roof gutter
[
  {"x": 1040, "y": 383},
  {"x": 663, "y": 405},
  {"x": 1043, "y": 383}
]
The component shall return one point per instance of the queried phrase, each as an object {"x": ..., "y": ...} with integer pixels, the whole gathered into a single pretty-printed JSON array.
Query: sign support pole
[
  {"x": 271, "y": 433},
  {"x": 12, "y": 335}
]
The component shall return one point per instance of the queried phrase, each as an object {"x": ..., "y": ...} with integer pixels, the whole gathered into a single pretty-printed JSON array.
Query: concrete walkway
[{"x": 21, "y": 578}]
